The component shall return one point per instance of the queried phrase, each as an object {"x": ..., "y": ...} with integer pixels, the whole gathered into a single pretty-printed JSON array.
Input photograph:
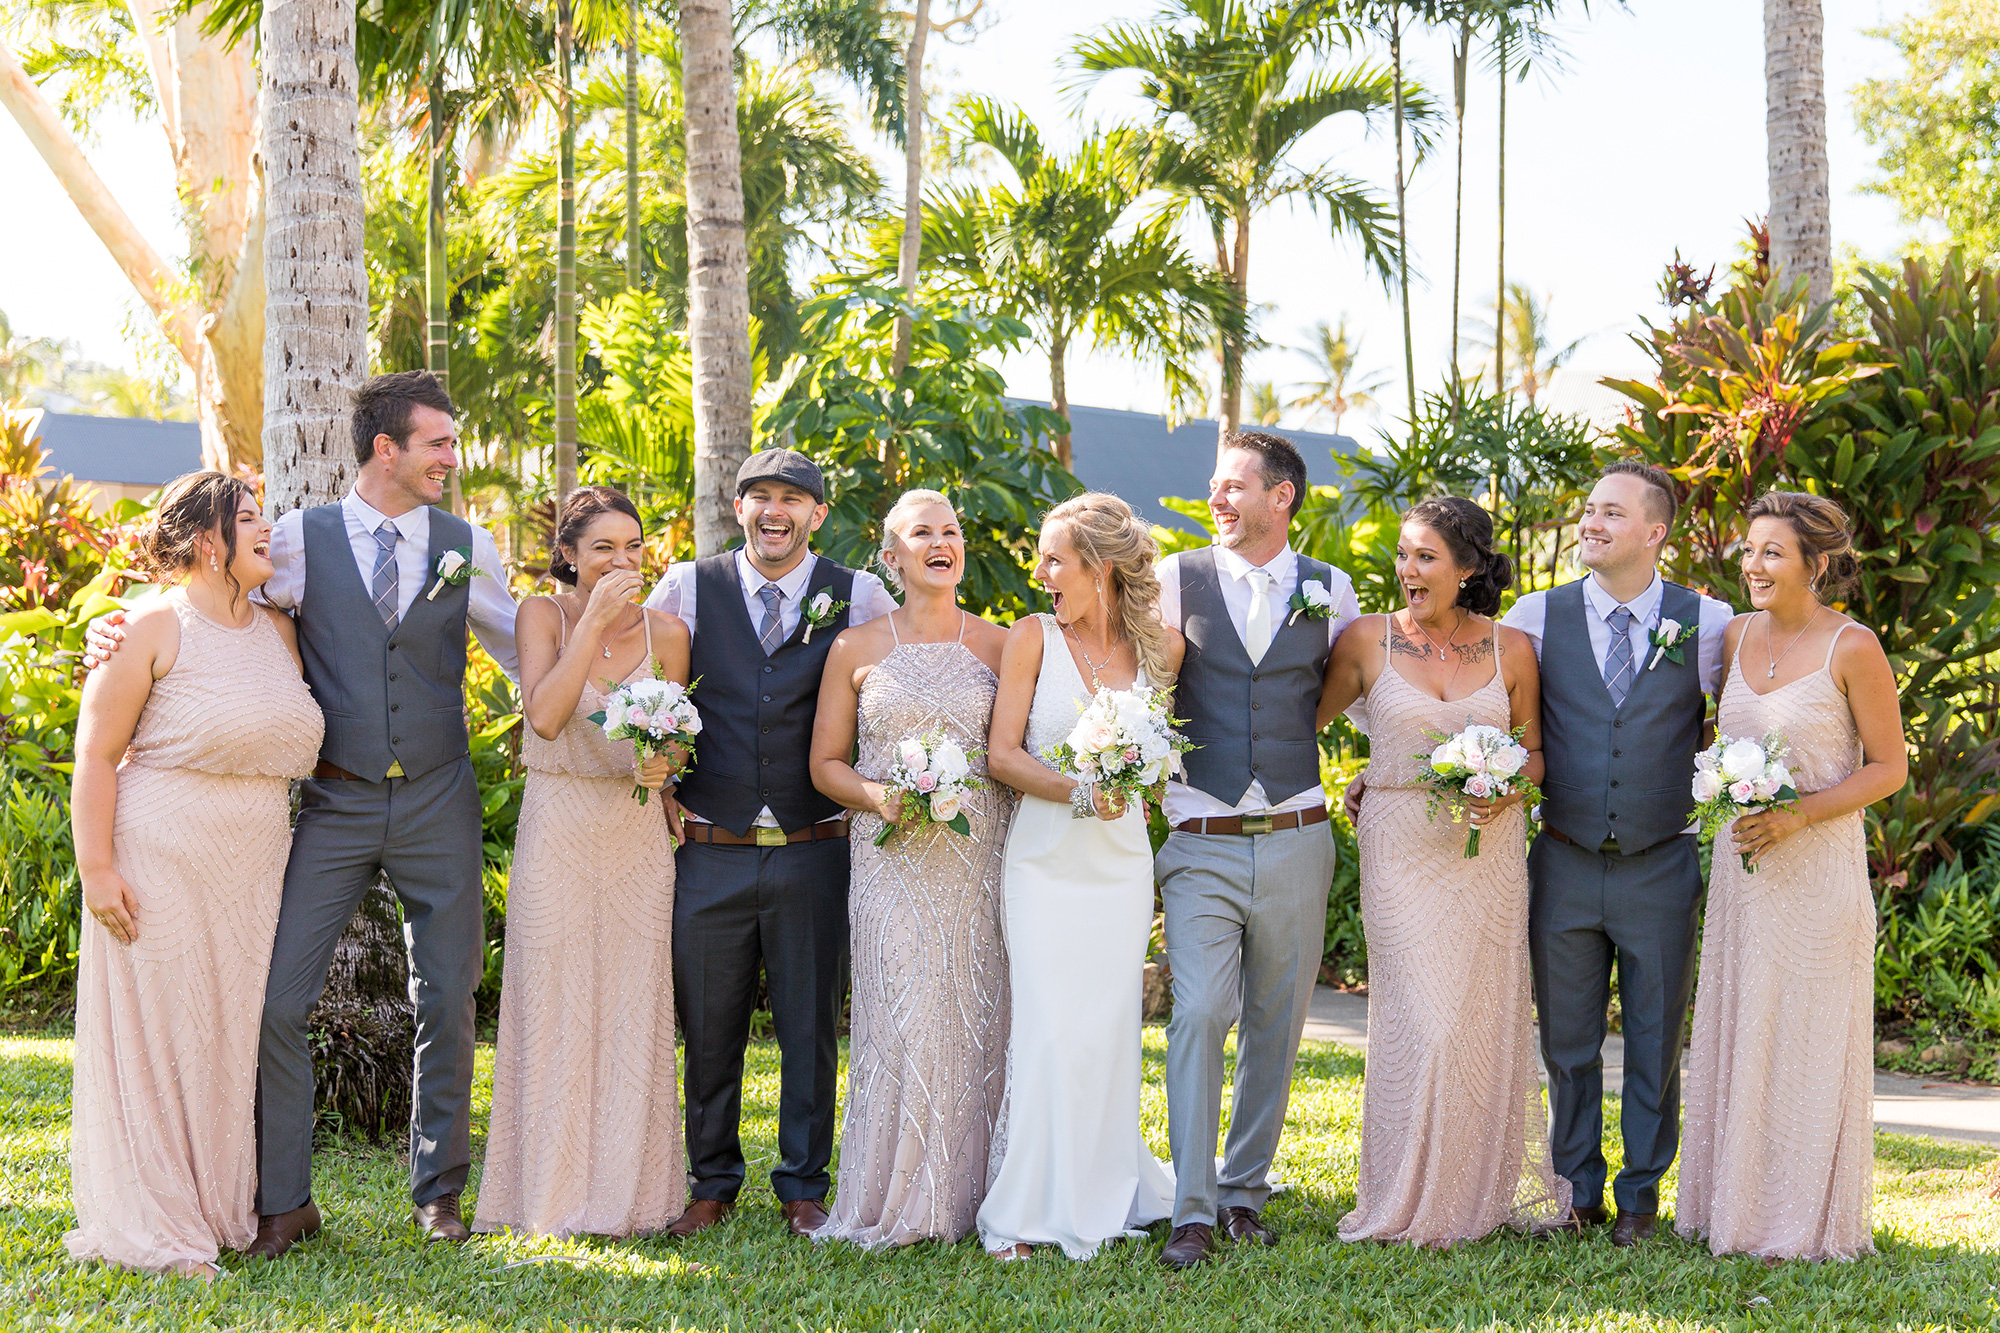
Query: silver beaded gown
[
  {"x": 928, "y": 1056},
  {"x": 1778, "y": 1158}
]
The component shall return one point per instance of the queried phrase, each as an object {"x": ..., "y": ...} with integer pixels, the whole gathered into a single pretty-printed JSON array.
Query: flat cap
[{"x": 786, "y": 465}]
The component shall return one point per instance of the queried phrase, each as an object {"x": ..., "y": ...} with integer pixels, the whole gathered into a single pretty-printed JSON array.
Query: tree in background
[
  {"x": 1795, "y": 143},
  {"x": 1524, "y": 343},
  {"x": 1334, "y": 354},
  {"x": 1235, "y": 85},
  {"x": 1935, "y": 123},
  {"x": 1057, "y": 250},
  {"x": 154, "y": 60}
]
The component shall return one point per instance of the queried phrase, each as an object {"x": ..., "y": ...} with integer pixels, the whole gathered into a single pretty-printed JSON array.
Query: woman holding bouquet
[
  {"x": 1078, "y": 890},
  {"x": 1779, "y": 1147},
  {"x": 585, "y": 1136},
  {"x": 1454, "y": 1142},
  {"x": 927, "y": 1063},
  {"x": 180, "y": 804}
]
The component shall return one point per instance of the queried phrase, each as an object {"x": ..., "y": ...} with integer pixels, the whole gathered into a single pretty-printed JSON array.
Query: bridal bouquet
[
  {"x": 1736, "y": 777},
  {"x": 1482, "y": 763},
  {"x": 1124, "y": 742},
  {"x": 652, "y": 714},
  {"x": 933, "y": 773}
]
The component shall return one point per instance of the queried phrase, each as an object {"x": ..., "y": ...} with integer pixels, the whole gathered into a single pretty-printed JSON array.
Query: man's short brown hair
[
  {"x": 385, "y": 404},
  {"x": 1661, "y": 503},
  {"x": 1278, "y": 459}
]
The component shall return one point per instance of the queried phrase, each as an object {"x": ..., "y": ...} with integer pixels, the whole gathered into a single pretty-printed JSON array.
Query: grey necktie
[
  {"x": 772, "y": 633},
  {"x": 1618, "y": 662},
  {"x": 385, "y": 573}
]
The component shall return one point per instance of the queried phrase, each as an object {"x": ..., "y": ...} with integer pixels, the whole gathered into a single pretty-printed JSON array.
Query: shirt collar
[
  {"x": 792, "y": 585},
  {"x": 1643, "y": 607},
  {"x": 1279, "y": 566},
  {"x": 415, "y": 526}
]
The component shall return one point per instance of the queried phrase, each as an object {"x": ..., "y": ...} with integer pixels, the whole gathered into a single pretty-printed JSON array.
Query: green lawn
[{"x": 1936, "y": 1230}]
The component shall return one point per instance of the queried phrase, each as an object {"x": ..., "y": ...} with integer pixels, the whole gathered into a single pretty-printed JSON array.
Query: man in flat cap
[{"x": 762, "y": 876}]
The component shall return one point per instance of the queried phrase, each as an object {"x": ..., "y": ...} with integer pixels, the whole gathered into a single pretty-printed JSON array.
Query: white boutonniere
[
  {"x": 453, "y": 567},
  {"x": 1667, "y": 638},
  {"x": 820, "y": 610},
  {"x": 1312, "y": 600}
]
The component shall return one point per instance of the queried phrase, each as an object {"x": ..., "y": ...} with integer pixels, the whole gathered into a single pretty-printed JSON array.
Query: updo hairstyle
[
  {"x": 1823, "y": 532},
  {"x": 908, "y": 503},
  {"x": 1467, "y": 531},
  {"x": 1116, "y": 544},
  {"x": 189, "y": 507},
  {"x": 584, "y": 504}
]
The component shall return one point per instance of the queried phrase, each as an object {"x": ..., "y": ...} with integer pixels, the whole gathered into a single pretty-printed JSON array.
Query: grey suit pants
[
  {"x": 1246, "y": 919},
  {"x": 424, "y": 832},
  {"x": 1584, "y": 907}
]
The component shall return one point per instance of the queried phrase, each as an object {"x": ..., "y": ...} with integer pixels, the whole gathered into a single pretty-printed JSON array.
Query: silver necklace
[
  {"x": 1772, "y": 674},
  {"x": 1433, "y": 642},
  {"x": 1095, "y": 667}
]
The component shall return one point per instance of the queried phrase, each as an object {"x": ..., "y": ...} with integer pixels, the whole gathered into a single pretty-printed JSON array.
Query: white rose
[
  {"x": 1742, "y": 761},
  {"x": 1448, "y": 756},
  {"x": 822, "y": 604},
  {"x": 1707, "y": 784},
  {"x": 1508, "y": 761},
  {"x": 450, "y": 563},
  {"x": 691, "y": 722},
  {"x": 1778, "y": 775},
  {"x": 1103, "y": 736},
  {"x": 1764, "y": 789},
  {"x": 944, "y": 807},
  {"x": 1705, "y": 761},
  {"x": 949, "y": 762},
  {"x": 1154, "y": 771},
  {"x": 1315, "y": 594},
  {"x": 911, "y": 752}
]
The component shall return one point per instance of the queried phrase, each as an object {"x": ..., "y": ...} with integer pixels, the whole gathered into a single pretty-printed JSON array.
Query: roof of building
[
  {"x": 130, "y": 451},
  {"x": 1137, "y": 457}
]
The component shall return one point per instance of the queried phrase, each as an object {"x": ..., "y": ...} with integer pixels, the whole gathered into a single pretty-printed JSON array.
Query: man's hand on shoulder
[{"x": 101, "y": 639}]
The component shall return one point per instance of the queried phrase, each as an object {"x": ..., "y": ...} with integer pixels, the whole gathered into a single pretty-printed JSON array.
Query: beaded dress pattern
[
  {"x": 162, "y": 1136},
  {"x": 929, "y": 1048},
  {"x": 1778, "y": 1156},
  {"x": 585, "y": 1136},
  {"x": 1454, "y": 1137}
]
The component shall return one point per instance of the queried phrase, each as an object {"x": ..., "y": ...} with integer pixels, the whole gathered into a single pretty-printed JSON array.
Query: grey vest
[
  {"x": 1627, "y": 771},
  {"x": 388, "y": 697},
  {"x": 1249, "y": 721},
  {"x": 757, "y": 712}
]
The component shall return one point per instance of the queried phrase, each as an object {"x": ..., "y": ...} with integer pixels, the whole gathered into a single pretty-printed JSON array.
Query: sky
[{"x": 1651, "y": 138}]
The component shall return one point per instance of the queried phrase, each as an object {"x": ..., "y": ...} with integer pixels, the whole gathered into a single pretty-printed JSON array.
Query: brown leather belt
[
  {"x": 765, "y": 837},
  {"x": 326, "y": 772},
  {"x": 1253, "y": 824}
]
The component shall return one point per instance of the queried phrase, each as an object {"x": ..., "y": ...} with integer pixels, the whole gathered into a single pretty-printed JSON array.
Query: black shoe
[{"x": 1631, "y": 1228}]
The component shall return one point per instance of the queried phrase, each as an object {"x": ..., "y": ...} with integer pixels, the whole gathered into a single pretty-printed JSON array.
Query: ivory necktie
[
  {"x": 385, "y": 573},
  {"x": 1257, "y": 629},
  {"x": 772, "y": 633},
  {"x": 1618, "y": 662}
]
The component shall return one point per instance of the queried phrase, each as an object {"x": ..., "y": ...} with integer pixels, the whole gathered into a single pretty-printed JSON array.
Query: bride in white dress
[{"x": 1077, "y": 895}]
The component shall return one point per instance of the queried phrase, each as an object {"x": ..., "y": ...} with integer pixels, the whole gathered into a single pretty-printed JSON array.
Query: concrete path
[{"x": 1903, "y": 1105}]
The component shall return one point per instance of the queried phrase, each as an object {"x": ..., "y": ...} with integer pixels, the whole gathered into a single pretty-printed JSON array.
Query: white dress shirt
[
  {"x": 675, "y": 594},
  {"x": 489, "y": 606},
  {"x": 1530, "y": 614},
  {"x": 1184, "y": 802}
]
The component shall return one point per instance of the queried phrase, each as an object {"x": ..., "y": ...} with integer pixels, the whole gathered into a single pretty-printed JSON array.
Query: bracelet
[{"x": 1083, "y": 801}]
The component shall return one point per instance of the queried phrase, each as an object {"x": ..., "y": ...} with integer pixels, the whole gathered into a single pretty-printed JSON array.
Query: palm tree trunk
[
  {"x": 1402, "y": 225},
  {"x": 1234, "y": 345},
  {"x": 718, "y": 269},
  {"x": 316, "y": 312},
  {"x": 1500, "y": 264},
  {"x": 565, "y": 257},
  {"x": 632, "y": 144},
  {"x": 1795, "y": 140},
  {"x": 1059, "y": 395},
  {"x": 913, "y": 179},
  {"x": 437, "y": 271},
  {"x": 1459, "y": 55}
]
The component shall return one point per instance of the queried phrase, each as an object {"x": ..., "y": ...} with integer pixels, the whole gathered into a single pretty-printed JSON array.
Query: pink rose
[
  {"x": 945, "y": 808},
  {"x": 926, "y": 782},
  {"x": 1479, "y": 785},
  {"x": 1475, "y": 759},
  {"x": 1101, "y": 736},
  {"x": 1131, "y": 754},
  {"x": 1742, "y": 793},
  {"x": 636, "y": 717}
]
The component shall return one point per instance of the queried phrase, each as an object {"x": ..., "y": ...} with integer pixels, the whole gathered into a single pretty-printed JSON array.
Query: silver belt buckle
[
  {"x": 1256, "y": 823},
  {"x": 770, "y": 837}
]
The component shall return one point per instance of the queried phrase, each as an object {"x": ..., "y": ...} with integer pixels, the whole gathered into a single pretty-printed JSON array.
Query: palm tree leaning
[
  {"x": 1334, "y": 354},
  {"x": 1795, "y": 142},
  {"x": 1235, "y": 86},
  {"x": 1055, "y": 250}
]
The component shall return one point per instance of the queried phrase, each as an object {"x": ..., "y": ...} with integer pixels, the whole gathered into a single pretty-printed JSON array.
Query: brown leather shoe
[
  {"x": 1572, "y": 1223},
  {"x": 804, "y": 1216},
  {"x": 280, "y": 1231},
  {"x": 1242, "y": 1224},
  {"x": 1631, "y": 1228},
  {"x": 700, "y": 1216},
  {"x": 439, "y": 1220},
  {"x": 1189, "y": 1245}
]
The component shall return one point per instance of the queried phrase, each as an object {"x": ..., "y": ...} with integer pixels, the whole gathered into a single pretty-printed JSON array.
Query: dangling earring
[
  {"x": 212, "y": 563},
  {"x": 1461, "y": 583}
]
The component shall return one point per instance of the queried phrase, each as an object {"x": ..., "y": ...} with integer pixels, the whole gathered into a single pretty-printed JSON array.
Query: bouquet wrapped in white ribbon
[
  {"x": 1124, "y": 742},
  {"x": 933, "y": 773},
  {"x": 654, "y": 715},
  {"x": 1480, "y": 762},
  {"x": 1737, "y": 776}
]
